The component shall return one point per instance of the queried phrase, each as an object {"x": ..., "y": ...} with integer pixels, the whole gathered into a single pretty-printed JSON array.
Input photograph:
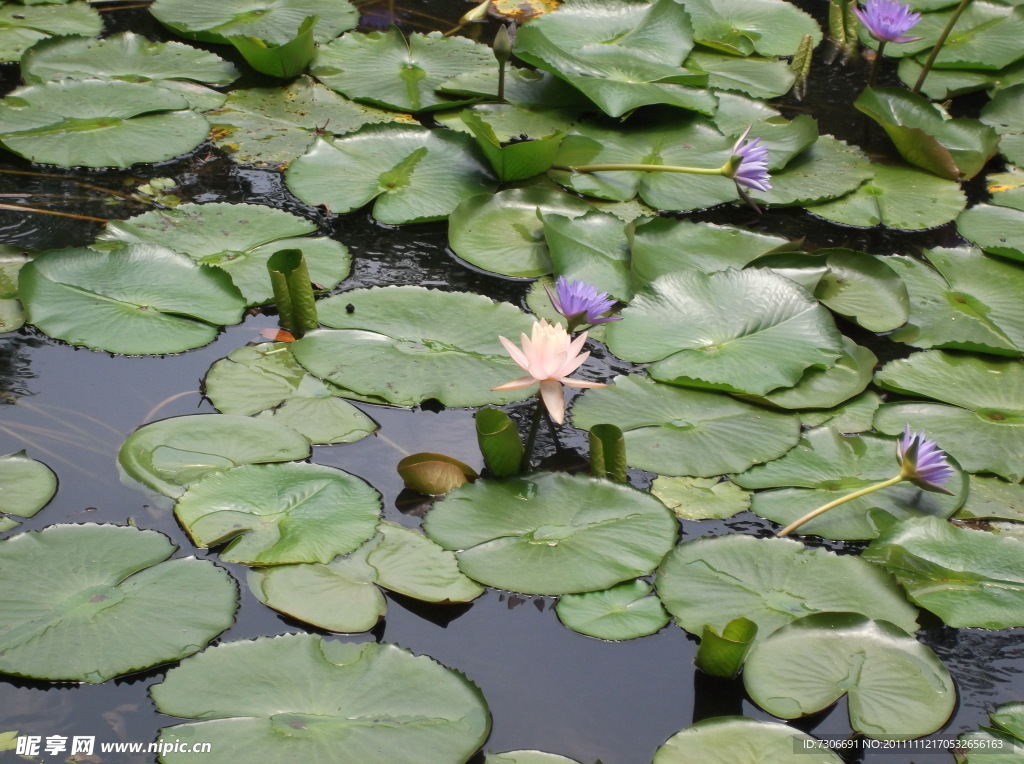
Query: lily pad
[
  {"x": 343, "y": 595},
  {"x": 505, "y": 232},
  {"x": 746, "y": 331},
  {"x": 26, "y": 486},
  {"x": 168, "y": 455},
  {"x": 999, "y": 230},
  {"x": 967, "y": 301},
  {"x": 736, "y": 740},
  {"x": 413, "y": 173},
  {"x": 23, "y": 25},
  {"x": 756, "y": 77},
  {"x": 966, "y": 577},
  {"x": 986, "y": 37},
  {"x": 626, "y": 611},
  {"x": 674, "y": 431},
  {"x": 12, "y": 315},
  {"x": 992, "y": 498},
  {"x": 856, "y": 415},
  {"x": 527, "y": 757},
  {"x": 711, "y": 581},
  {"x": 593, "y": 248},
  {"x": 99, "y": 123},
  {"x": 828, "y": 169},
  {"x": 273, "y": 21},
  {"x": 266, "y": 381},
  {"x": 311, "y": 695},
  {"x": 741, "y": 27},
  {"x": 701, "y": 498},
  {"x": 898, "y": 689},
  {"x": 897, "y": 197},
  {"x": 113, "y": 593},
  {"x": 826, "y": 466},
  {"x": 140, "y": 300},
  {"x": 551, "y": 533},
  {"x": 397, "y": 346},
  {"x": 273, "y": 514}
]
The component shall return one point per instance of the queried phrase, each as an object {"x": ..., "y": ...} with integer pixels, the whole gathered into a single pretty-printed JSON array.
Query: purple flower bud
[
  {"x": 581, "y": 303},
  {"x": 888, "y": 20},
  {"x": 923, "y": 463}
]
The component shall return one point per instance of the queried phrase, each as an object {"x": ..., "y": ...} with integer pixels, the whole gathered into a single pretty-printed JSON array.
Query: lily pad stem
[
  {"x": 849, "y": 497},
  {"x": 938, "y": 46},
  {"x": 875, "y": 66},
  {"x": 532, "y": 436}
]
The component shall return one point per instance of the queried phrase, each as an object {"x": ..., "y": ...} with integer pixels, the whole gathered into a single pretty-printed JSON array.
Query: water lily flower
[
  {"x": 548, "y": 356},
  {"x": 581, "y": 303},
  {"x": 923, "y": 463},
  {"x": 888, "y": 20},
  {"x": 751, "y": 170}
]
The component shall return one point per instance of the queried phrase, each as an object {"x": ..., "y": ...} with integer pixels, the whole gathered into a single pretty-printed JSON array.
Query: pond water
[{"x": 547, "y": 687}]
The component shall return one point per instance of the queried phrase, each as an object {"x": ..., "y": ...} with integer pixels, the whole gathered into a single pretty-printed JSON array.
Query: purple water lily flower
[
  {"x": 752, "y": 170},
  {"x": 923, "y": 463},
  {"x": 888, "y": 20},
  {"x": 581, "y": 303}
]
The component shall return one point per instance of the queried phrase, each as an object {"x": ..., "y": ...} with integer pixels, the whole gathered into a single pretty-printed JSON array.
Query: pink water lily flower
[{"x": 548, "y": 356}]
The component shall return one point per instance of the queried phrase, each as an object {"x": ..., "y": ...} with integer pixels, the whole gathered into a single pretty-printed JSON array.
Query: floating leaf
[
  {"x": 272, "y": 514},
  {"x": 756, "y": 77},
  {"x": 22, "y": 25},
  {"x": 826, "y": 170},
  {"x": 856, "y": 415},
  {"x": 701, "y": 498},
  {"x": 592, "y": 248},
  {"x": 999, "y": 230},
  {"x": 992, "y": 498},
  {"x": 527, "y": 757},
  {"x": 551, "y": 533},
  {"x": 736, "y": 740},
  {"x": 742, "y": 331},
  {"x": 26, "y": 486},
  {"x": 626, "y": 611},
  {"x": 267, "y": 381},
  {"x": 434, "y": 474},
  {"x": 768, "y": 27},
  {"x": 967, "y": 578},
  {"x": 374, "y": 701},
  {"x": 898, "y": 689},
  {"x": 170, "y": 454},
  {"x": 110, "y": 591},
  {"x": 413, "y": 173},
  {"x": 12, "y": 315},
  {"x": 140, "y": 300},
  {"x": 711, "y": 581},
  {"x": 397, "y": 346},
  {"x": 273, "y": 21},
  {"x": 674, "y": 431}
]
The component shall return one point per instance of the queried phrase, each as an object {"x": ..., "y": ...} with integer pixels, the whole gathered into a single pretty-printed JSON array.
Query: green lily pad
[
  {"x": 413, "y": 173},
  {"x": 126, "y": 56},
  {"x": 26, "y": 486},
  {"x": 747, "y": 331},
  {"x": 552, "y": 533},
  {"x": 527, "y": 757},
  {"x": 168, "y": 455},
  {"x": 711, "y": 581},
  {"x": 828, "y": 169},
  {"x": 826, "y": 466},
  {"x": 522, "y": 159},
  {"x": 968, "y": 301},
  {"x": 943, "y": 84},
  {"x": 274, "y": 514},
  {"x": 113, "y": 593},
  {"x": 736, "y": 740},
  {"x": 625, "y": 611},
  {"x": 675, "y": 431},
  {"x": 992, "y": 498},
  {"x": 266, "y": 381},
  {"x": 99, "y": 123},
  {"x": 999, "y": 230},
  {"x": 274, "y": 21},
  {"x": 897, "y": 197},
  {"x": 311, "y": 695},
  {"x": 286, "y": 60},
  {"x": 768, "y": 27},
  {"x": 1004, "y": 113},
  {"x": 986, "y": 36},
  {"x": 387, "y": 70},
  {"x": 593, "y": 248},
  {"x": 140, "y": 300},
  {"x": 238, "y": 239},
  {"x": 407, "y": 344},
  {"x": 898, "y": 689},
  {"x": 505, "y": 232},
  {"x": 756, "y": 77},
  {"x": 1001, "y": 744},
  {"x": 701, "y": 498},
  {"x": 343, "y": 595},
  {"x": 856, "y": 415},
  {"x": 23, "y": 25},
  {"x": 966, "y": 577}
]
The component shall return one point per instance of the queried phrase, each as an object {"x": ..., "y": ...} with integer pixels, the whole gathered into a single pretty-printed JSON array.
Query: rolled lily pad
[
  {"x": 113, "y": 593},
  {"x": 674, "y": 431},
  {"x": 374, "y": 701},
  {"x": 273, "y": 21},
  {"x": 396, "y": 345},
  {"x": 965, "y": 577},
  {"x": 701, "y": 498},
  {"x": 826, "y": 466},
  {"x": 26, "y": 486},
  {"x": 273, "y": 514},
  {"x": 168, "y": 455},
  {"x": 711, "y": 581},
  {"x": 140, "y": 300},
  {"x": 99, "y": 123},
  {"x": 736, "y": 740},
  {"x": 266, "y": 381},
  {"x": 550, "y": 533},
  {"x": 896, "y": 197},
  {"x": 999, "y": 230},
  {"x": 496, "y": 126},
  {"x": 967, "y": 301},
  {"x": 286, "y": 60},
  {"x": 343, "y": 595},
  {"x": 626, "y": 611},
  {"x": 898, "y": 689},
  {"x": 413, "y": 173},
  {"x": 22, "y": 25},
  {"x": 747, "y": 331},
  {"x": 505, "y": 232}
]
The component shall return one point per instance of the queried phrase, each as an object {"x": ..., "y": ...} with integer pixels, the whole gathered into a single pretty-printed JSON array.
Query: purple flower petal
[
  {"x": 923, "y": 463},
  {"x": 752, "y": 171},
  {"x": 579, "y": 300},
  {"x": 888, "y": 20}
]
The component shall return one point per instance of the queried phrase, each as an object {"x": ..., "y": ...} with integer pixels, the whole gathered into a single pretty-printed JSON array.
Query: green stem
[
  {"x": 875, "y": 66},
  {"x": 638, "y": 168},
  {"x": 849, "y": 497},
  {"x": 534, "y": 425},
  {"x": 938, "y": 46}
]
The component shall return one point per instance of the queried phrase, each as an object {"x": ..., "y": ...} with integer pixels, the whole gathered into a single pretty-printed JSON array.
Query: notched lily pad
[
  {"x": 22, "y": 25},
  {"x": 274, "y": 21},
  {"x": 625, "y": 611},
  {"x": 701, "y": 498},
  {"x": 738, "y": 740},
  {"x": 26, "y": 486}
]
